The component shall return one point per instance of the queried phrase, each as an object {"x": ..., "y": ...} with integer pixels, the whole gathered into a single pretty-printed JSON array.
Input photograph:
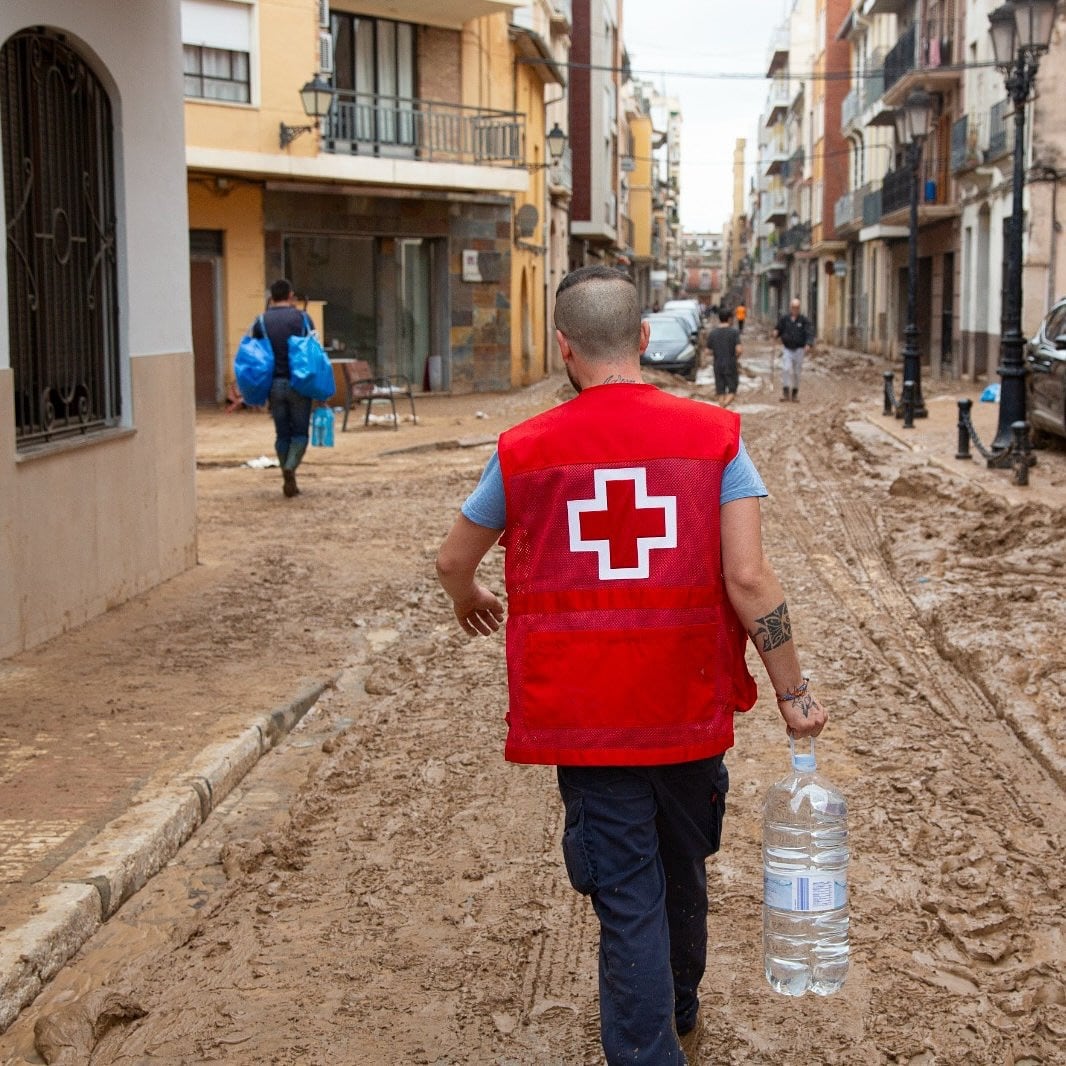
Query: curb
[{"x": 83, "y": 892}]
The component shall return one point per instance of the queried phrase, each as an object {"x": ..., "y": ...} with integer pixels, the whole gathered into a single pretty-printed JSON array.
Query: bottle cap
[{"x": 802, "y": 761}]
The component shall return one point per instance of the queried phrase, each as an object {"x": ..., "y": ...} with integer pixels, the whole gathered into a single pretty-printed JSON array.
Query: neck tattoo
[{"x": 617, "y": 379}]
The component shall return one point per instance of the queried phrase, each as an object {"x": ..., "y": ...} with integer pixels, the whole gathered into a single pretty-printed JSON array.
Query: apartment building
[
  {"x": 738, "y": 235},
  {"x": 704, "y": 262},
  {"x": 97, "y": 423},
  {"x": 965, "y": 183},
  {"x": 785, "y": 202},
  {"x": 410, "y": 205},
  {"x": 597, "y": 133}
]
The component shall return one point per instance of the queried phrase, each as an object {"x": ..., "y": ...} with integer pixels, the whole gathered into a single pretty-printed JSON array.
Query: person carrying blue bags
[{"x": 290, "y": 410}]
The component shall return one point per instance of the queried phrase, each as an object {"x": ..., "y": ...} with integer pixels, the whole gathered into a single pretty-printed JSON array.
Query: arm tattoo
[{"x": 772, "y": 630}]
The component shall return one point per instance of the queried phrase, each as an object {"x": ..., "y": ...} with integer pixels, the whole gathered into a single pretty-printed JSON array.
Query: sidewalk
[{"x": 119, "y": 738}]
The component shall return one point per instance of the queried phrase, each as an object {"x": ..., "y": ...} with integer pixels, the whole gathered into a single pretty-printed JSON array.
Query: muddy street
[{"x": 384, "y": 888}]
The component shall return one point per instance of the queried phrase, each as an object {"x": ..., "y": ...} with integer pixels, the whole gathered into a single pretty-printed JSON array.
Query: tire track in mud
[{"x": 950, "y": 788}]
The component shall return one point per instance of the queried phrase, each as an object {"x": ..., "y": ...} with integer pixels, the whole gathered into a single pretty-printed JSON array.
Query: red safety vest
[{"x": 622, "y": 647}]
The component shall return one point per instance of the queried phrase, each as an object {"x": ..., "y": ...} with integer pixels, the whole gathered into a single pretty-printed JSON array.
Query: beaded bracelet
[{"x": 793, "y": 693}]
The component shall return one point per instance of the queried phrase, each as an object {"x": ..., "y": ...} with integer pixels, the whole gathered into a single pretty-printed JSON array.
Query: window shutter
[
  {"x": 323, "y": 14},
  {"x": 325, "y": 52}
]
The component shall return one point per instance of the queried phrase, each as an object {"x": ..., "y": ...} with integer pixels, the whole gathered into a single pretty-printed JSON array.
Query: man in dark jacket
[
  {"x": 796, "y": 335},
  {"x": 291, "y": 411}
]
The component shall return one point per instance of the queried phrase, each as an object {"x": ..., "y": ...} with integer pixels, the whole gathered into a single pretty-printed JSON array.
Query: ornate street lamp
[
  {"x": 912, "y": 127},
  {"x": 317, "y": 98},
  {"x": 1021, "y": 34}
]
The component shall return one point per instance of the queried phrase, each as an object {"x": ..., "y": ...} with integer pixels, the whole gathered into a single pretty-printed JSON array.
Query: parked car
[
  {"x": 690, "y": 311},
  {"x": 1046, "y": 359},
  {"x": 671, "y": 347}
]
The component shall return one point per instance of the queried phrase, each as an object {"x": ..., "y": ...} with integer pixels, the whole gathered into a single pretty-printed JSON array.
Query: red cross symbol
[{"x": 622, "y": 523}]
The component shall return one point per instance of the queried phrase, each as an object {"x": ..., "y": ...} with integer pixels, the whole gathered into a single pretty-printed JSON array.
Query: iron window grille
[{"x": 57, "y": 133}]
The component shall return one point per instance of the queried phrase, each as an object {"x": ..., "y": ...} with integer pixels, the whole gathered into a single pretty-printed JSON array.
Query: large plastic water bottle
[{"x": 805, "y": 882}]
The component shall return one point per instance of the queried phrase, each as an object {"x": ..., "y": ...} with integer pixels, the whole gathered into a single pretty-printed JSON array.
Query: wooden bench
[{"x": 362, "y": 386}]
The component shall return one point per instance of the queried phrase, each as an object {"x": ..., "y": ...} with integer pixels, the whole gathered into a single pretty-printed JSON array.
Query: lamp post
[
  {"x": 317, "y": 98},
  {"x": 1021, "y": 34},
  {"x": 912, "y": 127}
]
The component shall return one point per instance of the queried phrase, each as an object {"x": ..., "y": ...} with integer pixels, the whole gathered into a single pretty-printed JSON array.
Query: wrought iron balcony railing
[
  {"x": 849, "y": 108},
  {"x": 926, "y": 45},
  {"x": 427, "y": 130}
]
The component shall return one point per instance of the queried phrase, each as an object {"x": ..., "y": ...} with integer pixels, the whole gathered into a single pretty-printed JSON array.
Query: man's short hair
[
  {"x": 724, "y": 316},
  {"x": 597, "y": 310},
  {"x": 280, "y": 290}
]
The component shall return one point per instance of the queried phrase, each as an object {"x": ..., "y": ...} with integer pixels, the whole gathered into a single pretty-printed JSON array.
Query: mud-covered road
[{"x": 386, "y": 889}]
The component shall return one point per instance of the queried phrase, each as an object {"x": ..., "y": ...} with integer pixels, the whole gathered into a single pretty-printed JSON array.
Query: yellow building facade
[{"x": 395, "y": 214}]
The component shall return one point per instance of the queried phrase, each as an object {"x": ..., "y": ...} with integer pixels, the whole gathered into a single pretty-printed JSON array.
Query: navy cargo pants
[{"x": 636, "y": 840}]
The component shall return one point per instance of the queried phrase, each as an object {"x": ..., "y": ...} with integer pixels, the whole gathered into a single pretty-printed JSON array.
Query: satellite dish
[{"x": 525, "y": 220}]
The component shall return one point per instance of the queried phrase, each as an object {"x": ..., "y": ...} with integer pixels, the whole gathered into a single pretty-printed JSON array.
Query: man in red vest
[{"x": 635, "y": 575}]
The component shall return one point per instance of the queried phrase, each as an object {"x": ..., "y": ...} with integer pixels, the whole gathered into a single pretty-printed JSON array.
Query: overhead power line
[{"x": 739, "y": 75}]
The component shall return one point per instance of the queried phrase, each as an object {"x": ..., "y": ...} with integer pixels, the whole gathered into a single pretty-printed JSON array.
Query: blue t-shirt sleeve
[
  {"x": 741, "y": 479},
  {"x": 487, "y": 506}
]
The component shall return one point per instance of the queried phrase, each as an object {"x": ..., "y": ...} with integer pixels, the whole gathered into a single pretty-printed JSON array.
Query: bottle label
[{"x": 805, "y": 890}]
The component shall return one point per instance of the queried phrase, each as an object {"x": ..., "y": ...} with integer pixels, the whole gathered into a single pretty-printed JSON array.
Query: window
[
  {"x": 374, "y": 69},
  {"x": 217, "y": 74},
  {"x": 217, "y": 35},
  {"x": 59, "y": 188}
]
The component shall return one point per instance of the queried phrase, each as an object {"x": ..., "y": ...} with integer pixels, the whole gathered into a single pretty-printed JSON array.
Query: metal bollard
[
  {"x": 965, "y": 407},
  {"x": 890, "y": 397},
  {"x": 1020, "y": 447},
  {"x": 908, "y": 405}
]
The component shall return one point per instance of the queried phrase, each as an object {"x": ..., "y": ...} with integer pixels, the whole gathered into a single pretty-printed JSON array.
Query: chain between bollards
[{"x": 1016, "y": 456}]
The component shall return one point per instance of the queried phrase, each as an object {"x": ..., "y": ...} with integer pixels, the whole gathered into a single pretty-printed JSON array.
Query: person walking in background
[
  {"x": 724, "y": 344},
  {"x": 796, "y": 335},
  {"x": 291, "y": 411},
  {"x": 630, "y": 516},
  {"x": 741, "y": 313}
]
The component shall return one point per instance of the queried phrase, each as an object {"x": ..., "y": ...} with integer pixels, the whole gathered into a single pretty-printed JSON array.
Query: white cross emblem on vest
[{"x": 622, "y": 523}]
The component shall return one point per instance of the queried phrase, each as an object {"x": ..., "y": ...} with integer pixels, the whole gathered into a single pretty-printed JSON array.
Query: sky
[{"x": 667, "y": 39}]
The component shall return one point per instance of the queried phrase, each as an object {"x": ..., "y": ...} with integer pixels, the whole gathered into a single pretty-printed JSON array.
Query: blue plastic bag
[
  {"x": 253, "y": 367},
  {"x": 322, "y": 427},
  {"x": 991, "y": 393},
  {"x": 310, "y": 371}
]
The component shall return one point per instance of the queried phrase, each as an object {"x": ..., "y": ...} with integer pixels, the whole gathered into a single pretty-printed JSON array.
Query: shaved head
[{"x": 597, "y": 310}]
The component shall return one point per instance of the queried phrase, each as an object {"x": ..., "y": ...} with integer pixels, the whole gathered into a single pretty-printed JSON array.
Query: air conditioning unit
[
  {"x": 325, "y": 52},
  {"x": 323, "y": 14}
]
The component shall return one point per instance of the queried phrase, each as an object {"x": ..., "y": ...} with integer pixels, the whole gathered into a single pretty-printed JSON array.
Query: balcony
[
  {"x": 847, "y": 212},
  {"x": 775, "y": 157},
  {"x": 777, "y": 54},
  {"x": 896, "y": 190},
  {"x": 795, "y": 238},
  {"x": 849, "y": 110},
  {"x": 426, "y": 130},
  {"x": 871, "y": 204},
  {"x": 983, "y": 138},
  {"x": 924, "y": 55},
  {"x": 1000, "y": 131},
  {"x": 562, "y": 14},
  {"x": 778, "y": 101},
  {"x": 792, "y": 171},
  {"x": 873, "y": 84},
  {"x": 774, "y": 206},
  {"x": 451, "y": 15}
]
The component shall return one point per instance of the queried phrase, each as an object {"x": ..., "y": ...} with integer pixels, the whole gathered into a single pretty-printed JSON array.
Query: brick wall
[{"x": 438, "y": 65}]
